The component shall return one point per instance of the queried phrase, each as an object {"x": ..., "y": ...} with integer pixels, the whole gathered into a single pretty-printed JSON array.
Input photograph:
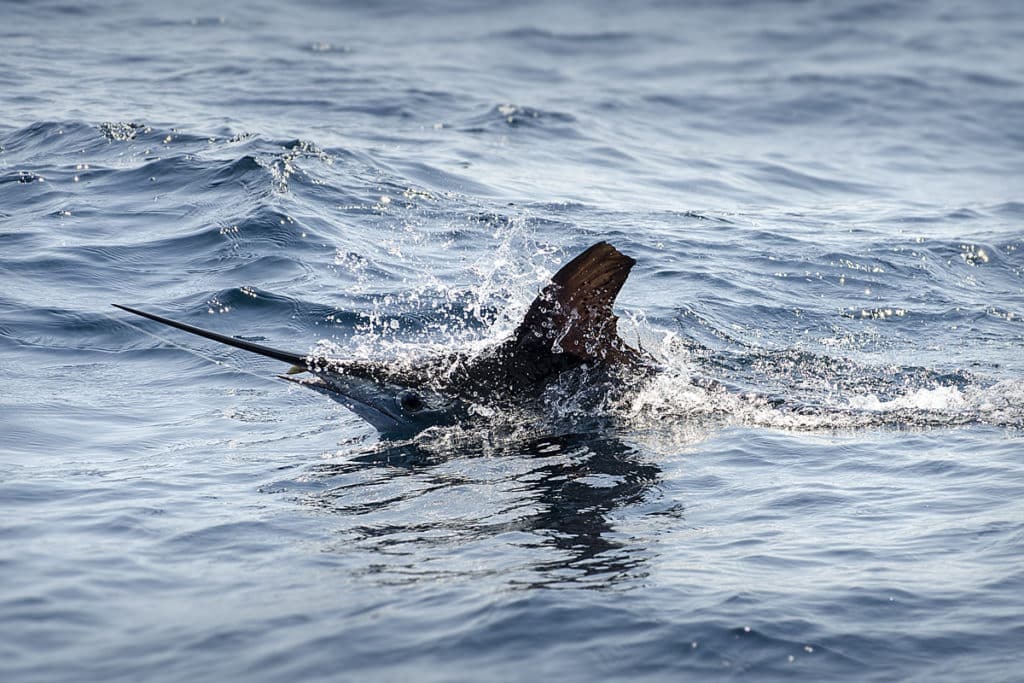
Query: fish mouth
[{"x": 377, "y": 415}]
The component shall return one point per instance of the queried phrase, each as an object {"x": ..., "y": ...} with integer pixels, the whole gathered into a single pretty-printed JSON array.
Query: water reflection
[{"x": 539, "y": 511}]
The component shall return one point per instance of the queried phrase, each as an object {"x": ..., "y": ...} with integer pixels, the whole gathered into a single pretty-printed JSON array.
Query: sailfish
[{"x": 569, "y": 325}]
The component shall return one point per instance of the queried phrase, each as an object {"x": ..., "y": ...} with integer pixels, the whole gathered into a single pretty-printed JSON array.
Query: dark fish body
[{"x": 570, "y": 325}]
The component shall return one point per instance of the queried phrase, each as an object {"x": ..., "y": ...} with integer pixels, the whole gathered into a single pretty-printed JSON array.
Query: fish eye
[{"x": 410, "y": 401}]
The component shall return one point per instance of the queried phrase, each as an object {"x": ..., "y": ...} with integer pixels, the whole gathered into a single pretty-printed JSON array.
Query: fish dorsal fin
[{"x": 573, "y": 314}]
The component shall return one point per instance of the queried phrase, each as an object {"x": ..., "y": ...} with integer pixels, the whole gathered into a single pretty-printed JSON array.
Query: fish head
[{"x": 397, "y": 408}]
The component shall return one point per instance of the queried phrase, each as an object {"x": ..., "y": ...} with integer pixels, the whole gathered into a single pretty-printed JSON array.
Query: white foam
[{"x": 937, "y": 399}]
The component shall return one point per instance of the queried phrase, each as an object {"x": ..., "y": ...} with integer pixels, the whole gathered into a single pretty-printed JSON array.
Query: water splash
[
  {"x": 434, "y": 315},
  {"x": 797, "y": 390}
]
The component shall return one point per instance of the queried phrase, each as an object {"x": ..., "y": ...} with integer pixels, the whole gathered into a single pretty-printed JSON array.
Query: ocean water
[{"x": 826, "y": 203}]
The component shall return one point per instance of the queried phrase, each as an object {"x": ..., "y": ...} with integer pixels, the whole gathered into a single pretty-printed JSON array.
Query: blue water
[{"x": 826, "y": 202}]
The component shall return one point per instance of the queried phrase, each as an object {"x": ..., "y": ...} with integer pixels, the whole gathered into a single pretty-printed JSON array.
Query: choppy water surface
[{"x": 825, "y": 201}]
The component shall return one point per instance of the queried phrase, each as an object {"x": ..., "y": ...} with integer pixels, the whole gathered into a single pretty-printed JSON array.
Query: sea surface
[{"x": 826, "y": 204}]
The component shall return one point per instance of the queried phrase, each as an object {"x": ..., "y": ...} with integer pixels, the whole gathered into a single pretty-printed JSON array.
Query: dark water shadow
[{"x": 563, "y": 491}]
